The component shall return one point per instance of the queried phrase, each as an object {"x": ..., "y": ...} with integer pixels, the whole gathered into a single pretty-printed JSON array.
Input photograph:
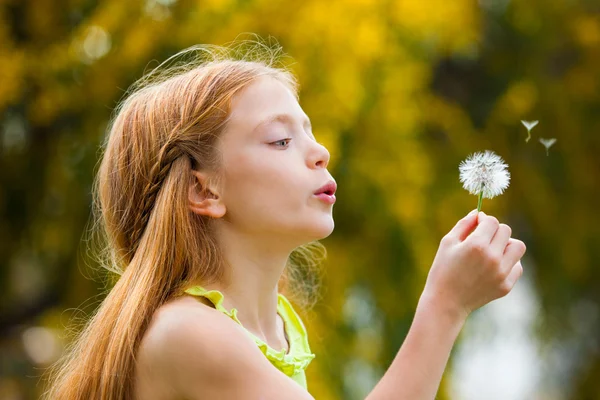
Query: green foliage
[{"x": 399, "y": 91}]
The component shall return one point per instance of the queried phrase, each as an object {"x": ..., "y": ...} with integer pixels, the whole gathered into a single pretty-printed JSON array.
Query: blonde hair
[{"x": 167, "y": 125}]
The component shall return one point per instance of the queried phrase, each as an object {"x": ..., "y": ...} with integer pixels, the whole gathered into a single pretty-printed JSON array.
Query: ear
[{"x": 204, "y": 200}]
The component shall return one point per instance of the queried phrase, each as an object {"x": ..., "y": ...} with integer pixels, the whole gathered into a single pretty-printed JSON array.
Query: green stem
[{"x": 480, "y": 201}]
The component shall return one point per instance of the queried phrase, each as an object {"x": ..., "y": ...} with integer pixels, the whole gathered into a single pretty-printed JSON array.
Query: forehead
[{"x": 263, "y": 101}]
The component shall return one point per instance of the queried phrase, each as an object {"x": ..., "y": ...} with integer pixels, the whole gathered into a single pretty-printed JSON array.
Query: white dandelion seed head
[
  {"x": 484, "y": 172},
  {"x": 529, "y": 124},
  {"x": 547, "y": 142}
]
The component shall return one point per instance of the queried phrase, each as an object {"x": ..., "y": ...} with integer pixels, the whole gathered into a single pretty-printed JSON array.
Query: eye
[{"x": 282, "y": 141}]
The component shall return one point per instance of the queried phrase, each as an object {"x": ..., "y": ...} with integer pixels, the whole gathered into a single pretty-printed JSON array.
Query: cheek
[{"x": 262, "y": 185}]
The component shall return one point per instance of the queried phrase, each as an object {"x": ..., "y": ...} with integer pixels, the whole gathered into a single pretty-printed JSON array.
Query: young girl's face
[{"x": 273, "y": 165}]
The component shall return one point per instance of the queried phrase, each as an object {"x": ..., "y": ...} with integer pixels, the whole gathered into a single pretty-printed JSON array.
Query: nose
[{"x": 319, "y": 155}]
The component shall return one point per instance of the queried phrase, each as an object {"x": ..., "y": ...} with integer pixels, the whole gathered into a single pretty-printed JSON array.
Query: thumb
[{"x": 465, "y": 226}]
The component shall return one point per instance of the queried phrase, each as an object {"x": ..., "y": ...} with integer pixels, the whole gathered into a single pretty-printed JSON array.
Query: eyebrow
[{"x": 285, "y": 118}]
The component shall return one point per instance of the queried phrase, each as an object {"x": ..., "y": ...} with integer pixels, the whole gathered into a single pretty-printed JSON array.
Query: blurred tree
[{"x": 399, "y": 91}]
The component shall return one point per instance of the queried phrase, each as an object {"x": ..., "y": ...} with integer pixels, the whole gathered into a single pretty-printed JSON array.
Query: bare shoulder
[
  {"x": 183, "y": 338},
  {"x": 193, "y": 351}
]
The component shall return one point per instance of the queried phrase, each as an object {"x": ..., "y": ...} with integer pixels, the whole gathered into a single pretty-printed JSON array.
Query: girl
[{"x": 210, "y": 182}]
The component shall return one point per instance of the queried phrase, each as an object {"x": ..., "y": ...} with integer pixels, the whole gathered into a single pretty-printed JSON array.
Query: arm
[
  {"x": 477, "y": 262},
  {"x": 203, "y": 355},
  {"x": 417, "y": 369}
]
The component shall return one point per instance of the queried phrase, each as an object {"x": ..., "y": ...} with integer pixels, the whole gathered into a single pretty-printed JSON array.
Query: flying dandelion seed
[
  {"x": 484, "y": 174},
  {"x": 529, "y": 125},
  {"x": 547, "y": 143}
]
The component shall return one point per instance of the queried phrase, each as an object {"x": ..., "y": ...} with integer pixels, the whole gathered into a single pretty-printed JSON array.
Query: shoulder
[
  {"x": 186, "y": 337},
  {"x": 194, "y": 351},
  {"x": 186, "y": 321}
]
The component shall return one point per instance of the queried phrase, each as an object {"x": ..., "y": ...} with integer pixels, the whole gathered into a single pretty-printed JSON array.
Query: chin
[
  {"x": 322, "y": 229},
  {"x": 309, "y": 229}
]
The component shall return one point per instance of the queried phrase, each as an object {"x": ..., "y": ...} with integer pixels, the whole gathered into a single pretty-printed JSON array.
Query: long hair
[{"x": 167, "y": 124}]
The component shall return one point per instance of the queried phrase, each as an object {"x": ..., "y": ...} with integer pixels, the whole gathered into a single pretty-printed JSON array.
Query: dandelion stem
[{"x": 480, "y": 201}]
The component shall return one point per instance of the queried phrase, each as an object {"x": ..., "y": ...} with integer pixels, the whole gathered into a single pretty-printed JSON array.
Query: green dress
[{"x": 294, "y": 363}]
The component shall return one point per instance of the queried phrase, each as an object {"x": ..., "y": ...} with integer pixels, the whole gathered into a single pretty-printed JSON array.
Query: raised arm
[
  {"x": 418, "y": 367},
  {"x": 476, "y": 263}
]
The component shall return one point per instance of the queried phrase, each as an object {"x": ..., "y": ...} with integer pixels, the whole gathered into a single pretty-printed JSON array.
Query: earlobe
[{"x": 213, "y": 208}]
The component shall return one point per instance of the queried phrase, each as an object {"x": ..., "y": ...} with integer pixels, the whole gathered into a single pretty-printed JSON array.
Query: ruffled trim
[
  {"x": 215, "y": 297},
  {"x": 299, "y": 356},
  {"x": 290, "y": 364}
]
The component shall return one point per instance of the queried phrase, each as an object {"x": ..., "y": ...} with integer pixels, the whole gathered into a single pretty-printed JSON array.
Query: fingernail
[{"x": 473, "y": 212}]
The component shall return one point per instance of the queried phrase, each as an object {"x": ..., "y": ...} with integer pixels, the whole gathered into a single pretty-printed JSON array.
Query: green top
[{"x": 294, "y": 363}]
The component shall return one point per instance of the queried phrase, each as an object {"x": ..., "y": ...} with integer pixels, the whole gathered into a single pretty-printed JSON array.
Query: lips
[{"x": 329, "y": 188}]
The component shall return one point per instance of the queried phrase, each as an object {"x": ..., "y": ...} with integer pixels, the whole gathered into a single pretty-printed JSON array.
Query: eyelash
[{"x": 282, "y": 140}]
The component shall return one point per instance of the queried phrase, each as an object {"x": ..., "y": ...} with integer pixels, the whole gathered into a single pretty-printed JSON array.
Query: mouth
[
  {"x": 327, "y": 192},
  {"x": 329, "y": 189},
  {"x": 327, "y": 198}
]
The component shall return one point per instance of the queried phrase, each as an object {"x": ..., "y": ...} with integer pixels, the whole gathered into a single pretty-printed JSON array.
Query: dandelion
[
  {"x": 529, "y": 125},
  {"x": 484, "y": 174},
  {"x": 547, "y": 143}
]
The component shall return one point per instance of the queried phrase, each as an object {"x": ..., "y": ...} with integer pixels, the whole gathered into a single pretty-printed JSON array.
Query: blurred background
[{"x": 400, "y": 91}]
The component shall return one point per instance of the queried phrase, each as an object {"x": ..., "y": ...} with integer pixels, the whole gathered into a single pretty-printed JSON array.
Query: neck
[{"x": 250, "y": 280}]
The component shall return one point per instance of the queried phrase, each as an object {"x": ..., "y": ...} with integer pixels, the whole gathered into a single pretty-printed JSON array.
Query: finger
[
  {"x": 514, "y": 251},
  {"x": 487, "y": 227},
  {"x": 500, "y": 239},
  {"x": 464, "y": 227},
  {"x": 515, "y": 273}
]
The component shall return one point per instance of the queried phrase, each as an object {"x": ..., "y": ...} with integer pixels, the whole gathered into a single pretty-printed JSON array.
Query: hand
[{"x": 477, "y": 262}]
